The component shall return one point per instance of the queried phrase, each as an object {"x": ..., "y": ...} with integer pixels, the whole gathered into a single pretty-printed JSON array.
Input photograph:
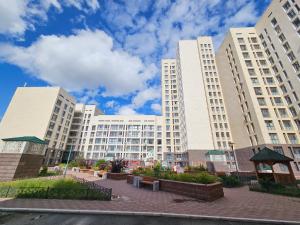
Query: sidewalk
[{"x": 238, "y": 203}]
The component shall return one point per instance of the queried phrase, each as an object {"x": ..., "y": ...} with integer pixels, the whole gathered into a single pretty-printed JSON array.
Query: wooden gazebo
[{"x": 270, "y": 157}]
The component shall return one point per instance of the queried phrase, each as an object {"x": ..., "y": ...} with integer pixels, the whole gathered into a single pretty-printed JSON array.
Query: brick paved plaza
[{"x": 238, "y": 202}]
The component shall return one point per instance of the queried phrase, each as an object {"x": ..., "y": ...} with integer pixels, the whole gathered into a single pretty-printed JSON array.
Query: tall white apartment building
[
  {"x": 170, "y": 111},
  {"x": 257, "y": 112},
  {"x": 82, "y": 116},
  {"x": 279, "y": 31},
  {"x": 200, "y": 109},
  {"x": 44, "y": 112},
  {"x": 135, "y": 137}
]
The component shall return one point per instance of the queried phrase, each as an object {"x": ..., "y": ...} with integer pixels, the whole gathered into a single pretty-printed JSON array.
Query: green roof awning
[
  {"x": 267, "y": 154},
  {"x": 215, "y": 152},
  {"x": 32, "y": 139}
]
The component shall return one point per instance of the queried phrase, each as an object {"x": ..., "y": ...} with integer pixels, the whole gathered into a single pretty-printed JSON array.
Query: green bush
[
  {"x": 202, "y": 177},
  {"x": 45, "y": 188},
  {"x": 230, "y": 181},
  {"x": 43, "y": 171}
]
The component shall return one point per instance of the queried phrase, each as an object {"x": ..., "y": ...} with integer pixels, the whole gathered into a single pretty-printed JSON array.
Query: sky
[{"x": 107, "y": 52}]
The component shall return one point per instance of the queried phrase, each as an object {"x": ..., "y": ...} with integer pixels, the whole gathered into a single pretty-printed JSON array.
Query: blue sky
[{"x": 106, "y": 52}]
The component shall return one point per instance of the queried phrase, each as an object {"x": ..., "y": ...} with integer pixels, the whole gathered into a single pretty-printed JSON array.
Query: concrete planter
[
  {"x": 206, "y": 192},
  {"x": 117, "y": 176}
]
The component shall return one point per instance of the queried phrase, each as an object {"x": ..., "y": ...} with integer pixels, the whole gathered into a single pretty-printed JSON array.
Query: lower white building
[{"x": 134, "y": 137}]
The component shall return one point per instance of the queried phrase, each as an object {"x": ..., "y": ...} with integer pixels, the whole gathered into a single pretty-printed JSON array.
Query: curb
[{"x": 152, "y": 214}]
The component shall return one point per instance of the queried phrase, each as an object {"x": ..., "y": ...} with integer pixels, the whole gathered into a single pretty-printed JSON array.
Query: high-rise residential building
[
  {"x": 135, "y": 137},
  {"x": 257, "y": 112},
  {"x": 279, "y": 32},
  {"x": 198, "y": 102},
  {"x": 170, "y": 111},
  {"x": 82, "y": 116},
  {"x": 43, "y": 112}
]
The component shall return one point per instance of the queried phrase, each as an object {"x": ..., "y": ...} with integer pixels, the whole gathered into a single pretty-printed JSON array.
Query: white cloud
[
  {"x": 126, "y": 110},
  {"x": 12, "y": 16},
  {"x": 17, "y": 16},
  {"x": 112, "y": 104},
  {"x": 156, "y": 107},
  {"x": 149, "y": 94},
  {"x": 84, "y": 60}
]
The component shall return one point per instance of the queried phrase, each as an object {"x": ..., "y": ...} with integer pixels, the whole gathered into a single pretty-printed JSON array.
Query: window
[
  {"x": 287, "y": 125},
  {"x": 248, "y": 63},
  {"x": 296, "y": 23},
  {"x": 261, "y": 101},
  {"x": 243, "y": 47},
  {"x": 274, "y": 90},
  {"x": 296, "y": 66},
  {"x": 282, "y": 37},
  {"x": 291, "y": 56},
  {"x": 274, "y": 138},
  {"x": 241, "y": 40},
  {"x": 254, "y": 81},
  {"x": 265, "y": 112},
  {"x": 291, "y": 14},
  {"x": 246, "y": 55},
  {"x": 270, "y": 80},
  {"x": 273, "y": 21},
  {"x": 258, "y": 91},
  {"x": 286, "y": 6},
  {"x": 293, "y": 138},
  {"x": 269, "y": 124},
  {"x": 282, "y": 112},
  {"x": 251, "y": 72},
  {"x": 286, "y": 46},
  {"x": 278, "y": 29},
  {"x": 278, "y": 101}
]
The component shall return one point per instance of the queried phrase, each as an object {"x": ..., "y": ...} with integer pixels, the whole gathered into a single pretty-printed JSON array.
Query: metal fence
[{"x": 106, "y": 191}]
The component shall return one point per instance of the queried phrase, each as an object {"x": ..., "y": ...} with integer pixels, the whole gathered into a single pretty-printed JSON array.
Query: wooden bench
[{"x": 149, "y": 181}]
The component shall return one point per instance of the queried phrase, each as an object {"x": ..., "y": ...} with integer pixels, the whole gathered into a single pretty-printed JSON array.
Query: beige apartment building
[
  {"x": 279, "y": 32},
  {"x": 193, "y": 104},
  {"x": 257, "y": 112},
  {"x": 43, "y": 112}
]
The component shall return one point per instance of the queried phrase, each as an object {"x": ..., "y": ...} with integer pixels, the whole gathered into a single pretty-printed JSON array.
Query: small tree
[{"x": 117, "y": 165}]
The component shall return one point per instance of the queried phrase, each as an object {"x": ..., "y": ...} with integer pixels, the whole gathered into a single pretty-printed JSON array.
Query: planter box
[
  {"x": 130, "y": 179},
  {"x": 206, "y": 192},
  {"x": 117, "y": 176},
  {"x": 84, "y": 170}
]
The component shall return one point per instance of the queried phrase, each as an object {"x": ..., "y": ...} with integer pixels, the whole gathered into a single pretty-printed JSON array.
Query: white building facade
[{"x": 279, "y": 31}]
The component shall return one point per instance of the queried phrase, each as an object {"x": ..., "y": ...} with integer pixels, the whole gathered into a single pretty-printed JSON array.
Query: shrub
[
  {"x": 230, "y": 181},
  {"x": 117, "y": 166},
  {"x": 43, "y": 171},
  {"x": 157, "y": 169},
  {"x": 202, "y": 177}
]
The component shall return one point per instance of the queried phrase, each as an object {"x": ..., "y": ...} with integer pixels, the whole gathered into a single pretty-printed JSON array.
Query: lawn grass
[{"x": 49, "y": 188}]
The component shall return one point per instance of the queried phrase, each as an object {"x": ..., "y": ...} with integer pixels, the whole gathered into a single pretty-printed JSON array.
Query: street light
[
  {"x": 231, "y": 144},
  {"x": 69, "y": 156}
]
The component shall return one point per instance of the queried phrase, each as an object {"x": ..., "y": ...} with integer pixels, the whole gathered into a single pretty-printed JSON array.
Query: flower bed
[
  {"x": 117, "y": 176},
  {"x": 206, "y": 192}
]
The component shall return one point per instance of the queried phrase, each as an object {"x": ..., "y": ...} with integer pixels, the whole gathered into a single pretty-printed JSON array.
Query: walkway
[{"x": 238, "y": 202}]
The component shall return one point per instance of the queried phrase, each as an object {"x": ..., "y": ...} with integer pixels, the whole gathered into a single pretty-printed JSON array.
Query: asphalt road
[{"x": 11, "y": 218}]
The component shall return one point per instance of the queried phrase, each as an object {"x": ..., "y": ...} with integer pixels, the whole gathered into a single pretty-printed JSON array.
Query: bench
[{"x": 149, "y": 181}]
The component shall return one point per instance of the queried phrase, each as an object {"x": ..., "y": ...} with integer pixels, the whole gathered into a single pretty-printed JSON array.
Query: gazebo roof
[
  {"x": 215, "y": 152},
  {"x": 267, "y": 155},
  {"x": 32, "y": 139}
]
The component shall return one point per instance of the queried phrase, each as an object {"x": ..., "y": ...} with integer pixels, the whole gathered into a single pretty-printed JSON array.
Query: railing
[{"x": 107, "y": 192}]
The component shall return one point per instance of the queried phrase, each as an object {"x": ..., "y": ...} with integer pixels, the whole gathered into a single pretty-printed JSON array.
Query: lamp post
[
  {"x": 231, "y": 144},
  {"x": 69, "y": 156}
]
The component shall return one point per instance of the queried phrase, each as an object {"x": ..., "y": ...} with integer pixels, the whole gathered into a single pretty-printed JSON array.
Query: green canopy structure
[
  {"x": 271, "y": 157},
  {"x": 32, "y": 139}
]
